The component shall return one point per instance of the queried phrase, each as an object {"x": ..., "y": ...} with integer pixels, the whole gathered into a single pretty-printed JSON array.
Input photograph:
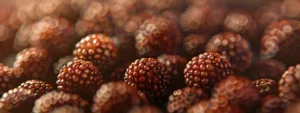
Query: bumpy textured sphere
[
  {"x": 116, "y": 97},
  {"x": 271, "y": 104},
  {"x": 271, "y": 69},
  {"x": 194, "y": 44},
  {"x": 182, "y": 99},
  {"x": 275, "y": 35},
  {"x": 97, "y": 48},
  {"x": 233, "y": 46},
  {"x": 7, "y": 79},
  {"x": 57, "y": 35},
  {"x": 206, "y": 69},
  {"x": 16, "y": 100},
  {"x": 80, "y": 77},
  {"x": 289, "y": 84},
  {"x": 67, "y": 109},
  {"x": 156, "y": 36},
  {"x": 33, "y": 63},
  {"x": 118, "y": 73},
  {"x": 149, "y": 76},
  {"x": 238, "y": 90},
  {"x": 265, "y": 86},
  {"x": 37, "y": 87},
  {"x": 54, "y": 99},
  {"x": 214, "y": 105},
  {"x": 145, "y": 109}
]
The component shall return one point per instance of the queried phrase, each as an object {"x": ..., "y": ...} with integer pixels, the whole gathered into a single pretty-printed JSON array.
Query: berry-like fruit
[
  {"x": 16, "y": 100},
  {"x": 175, "y": 65},
  {"x": 265, "y": 86},
  {"x": 150, "y": 77},
  {"x": 206, "y": 69},
  {"x": 54, "y": 99},
  {"x": 116, "y": 97},
  {"x": 97, "y": 48},
  {"x": 54, "y": 34},
  {"x": 37, "y": 87},
  {"x": 80, "y": 77},
  {"x": 214, "y": 105},
  {"x": 182, "y": 99},
  {"x": 33, "y": 63},
  {"x": 118, "y": 73},
  {"x": 67, "y": 109},
  {"x": 194, "y": 44},
  {"x": 7, "y": 79},
  {"x": 233, "y": 46},
  {"x": 156, "y": 36},
  {"x": 280, "y": 40},
  {"x": 271, "y": 69},
  {"x": 289, "y": 84},
  {"x": 271, "y": 104},
  {"x": 238, "y": 90},
  {"x": 145, "y": 109}
]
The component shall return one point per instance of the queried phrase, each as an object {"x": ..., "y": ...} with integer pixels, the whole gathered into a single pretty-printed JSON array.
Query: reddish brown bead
[
  {"x": 7, "y": 79},
  {"x": 271, "y": 69},
  {"x": 206, "y": 69},
  {"x": 16, "y": 100},
  {"x": 118, "y": 73},
  {"x": 265, "y": 86},
  {"x": 57, "y": 35},
  {"x": 236, "y": 48},
  {"x": 214, "y": 105},
  {"x": 271, "y": 104},
  {"x": 145, "y": 109},
  {"x": 238, "y": 90},
  {"x": 289, "y": 84},
  {"x": 182, "y": 99},
  {"x": 194, "y": 44},
  {"x": 156, "y": 36},
  {"x": 80, "y": 77},
  {"x": 33, "y": 63},
  {"x": 97, "y": 48},
  {"x": 116, "y": 97},
  {"x": 150, "y": 77},
  {"x": 37, "y": 87},
  {"x": 55, "y": 99},
  {"x": 67, "y": 109}
]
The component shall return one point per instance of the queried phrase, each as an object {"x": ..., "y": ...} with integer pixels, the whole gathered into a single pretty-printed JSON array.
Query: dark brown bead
[
  {"x": 236, "y": 48},
  {"x": 116, "y": 97},
  {"x": 238, "y": 90},
  {"x": 54, "y": 99},
  {"x": 57, "y": 35},
  {"x": 33, "y": 63},
  {"x": 271, "y": 69},
  {"x": 145, "y": 109},
  {"x": 97, "y": 48},
  {"x": 182, "y": 99},
  {"x": 206, "y": 69},
  {"x": 175, "y": 65},
  {"x": 194, "y": 44},
  {"x": 16, "y": 100},
  {"x": 271, "y": 104},
  {"x": 156, "y": 36},
  {"x": 37, "y": 87},
  {"x": 80, "y": 77},
  {"x": 214, "y": 105},
  {"x": 150, "y": 77},
  {"x": 265, "y": 86},
  {"x": 67, "y": 109},
  {"x": 7, "y": 79},
  {"x": 118, "y": 73},
  {"x": 289, "y": 85}
]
